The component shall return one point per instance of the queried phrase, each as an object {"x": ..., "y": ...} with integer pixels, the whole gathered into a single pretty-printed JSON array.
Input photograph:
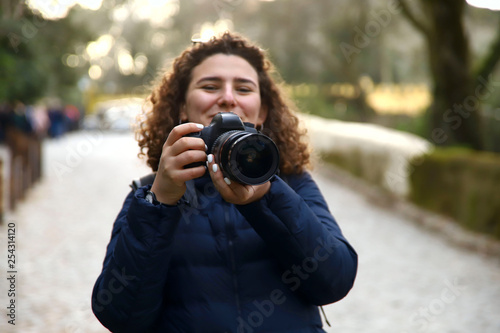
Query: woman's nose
[{"x": 227, "y": 99}]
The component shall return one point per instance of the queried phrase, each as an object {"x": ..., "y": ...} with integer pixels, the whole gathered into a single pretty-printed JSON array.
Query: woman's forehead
[{"x": 225, "y": 66}]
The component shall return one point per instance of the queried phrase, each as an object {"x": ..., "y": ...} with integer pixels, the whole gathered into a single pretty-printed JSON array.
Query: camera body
[{"x": 243, "y": 154}]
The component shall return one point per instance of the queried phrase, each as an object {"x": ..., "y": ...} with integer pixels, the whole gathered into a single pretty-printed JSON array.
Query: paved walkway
[{"x": 409, "y": 280}]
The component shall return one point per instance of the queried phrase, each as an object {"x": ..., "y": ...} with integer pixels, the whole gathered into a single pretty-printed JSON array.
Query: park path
[{"x": 410, "y": 280}]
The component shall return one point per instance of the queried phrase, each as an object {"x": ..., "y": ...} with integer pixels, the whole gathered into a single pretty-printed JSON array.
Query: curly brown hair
[{"x": 169, "y": 94}]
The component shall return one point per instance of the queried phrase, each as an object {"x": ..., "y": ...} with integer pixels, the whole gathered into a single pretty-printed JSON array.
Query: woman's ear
[
  {"x": 262, "y": 116},
  {"x": 183, "y": 118}
]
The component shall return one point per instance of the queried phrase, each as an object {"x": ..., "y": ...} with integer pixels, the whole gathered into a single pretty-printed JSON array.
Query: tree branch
[
  {"x": 413, "y": 18},
  {"x": 487, "y": 65}
]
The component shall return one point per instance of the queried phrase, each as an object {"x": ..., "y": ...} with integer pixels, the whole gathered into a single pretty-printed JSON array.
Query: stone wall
[{"x": 380, "y": 155}]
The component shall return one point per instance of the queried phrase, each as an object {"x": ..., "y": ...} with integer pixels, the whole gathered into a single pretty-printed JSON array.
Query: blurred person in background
[
  {"x": 73, "y": 116},
  {"x": 194, "y": 251},
  {"x": 57, "y": 119},
  {"x": 39, "y": 120}
]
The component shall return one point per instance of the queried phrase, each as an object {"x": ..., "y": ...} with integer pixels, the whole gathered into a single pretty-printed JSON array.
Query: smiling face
[{"x": 223, "y": 83}]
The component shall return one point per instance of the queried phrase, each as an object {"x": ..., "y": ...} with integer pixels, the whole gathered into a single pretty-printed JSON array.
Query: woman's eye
[
  {"x": 244, "y": 89},
  {"x": 210, "y": 87}
]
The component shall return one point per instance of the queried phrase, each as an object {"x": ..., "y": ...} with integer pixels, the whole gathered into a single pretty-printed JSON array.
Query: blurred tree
[
  {"x": 31, "y": 53},
  {"x": 459, "y": 87},
  {"x": 20, "y": 77}
]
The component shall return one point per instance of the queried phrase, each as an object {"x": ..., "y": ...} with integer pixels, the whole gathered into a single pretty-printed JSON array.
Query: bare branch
[
  {"x": 410, "y": 15},
  {"x": 491, "y": 59}
]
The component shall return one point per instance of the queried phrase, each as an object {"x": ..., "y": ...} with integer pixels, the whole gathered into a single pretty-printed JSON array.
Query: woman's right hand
[{"x": 170, "y": 182}]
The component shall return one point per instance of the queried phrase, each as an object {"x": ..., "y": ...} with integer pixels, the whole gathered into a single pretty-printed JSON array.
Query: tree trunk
[{"x": 455, "y": 113}]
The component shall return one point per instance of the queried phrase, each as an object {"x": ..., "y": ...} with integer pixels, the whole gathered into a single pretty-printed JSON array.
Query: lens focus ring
[{"x": 248, "y": 158}]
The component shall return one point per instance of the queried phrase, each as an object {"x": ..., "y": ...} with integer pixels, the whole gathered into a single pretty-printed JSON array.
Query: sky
[
  {"x": 56, "y": 9},
  {"x": 491, "y": 4}
]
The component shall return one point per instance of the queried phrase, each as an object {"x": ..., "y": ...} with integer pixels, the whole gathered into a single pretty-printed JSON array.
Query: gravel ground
[{"x": 410, "y": 279}]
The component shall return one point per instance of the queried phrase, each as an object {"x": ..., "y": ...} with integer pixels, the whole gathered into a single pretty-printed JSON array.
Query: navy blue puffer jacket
[{"x": 209, "y": 266}]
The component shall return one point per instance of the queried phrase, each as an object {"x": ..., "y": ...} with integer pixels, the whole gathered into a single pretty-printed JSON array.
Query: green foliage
[
  {"x": 21, "y": 77},
  {"x": 317, "y": 106},
  {"x": 462, "y": 184},
  {"x": 417, "y": 124},
  {"x": 368, "y": 166},
  {"x": 31, "y": 52},
  {"x": 492, "y": 131},
  {"x": 334, "y": 108}
]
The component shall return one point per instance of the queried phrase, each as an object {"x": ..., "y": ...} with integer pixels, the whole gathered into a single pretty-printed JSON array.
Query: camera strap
[
  {"x": 324, "y": 315},
  {"x": 143, "y": 181}
]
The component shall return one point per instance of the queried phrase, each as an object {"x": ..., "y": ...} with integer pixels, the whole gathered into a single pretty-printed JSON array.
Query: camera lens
[{"x": 249, "y": 158}]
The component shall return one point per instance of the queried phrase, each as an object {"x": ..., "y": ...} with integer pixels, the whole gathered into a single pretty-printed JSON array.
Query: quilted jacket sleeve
[
  {"x": 127, "y": 296},
  {"x": 296, "y": 224}
]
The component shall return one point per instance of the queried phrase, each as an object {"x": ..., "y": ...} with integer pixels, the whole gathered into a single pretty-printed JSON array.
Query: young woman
[{"x": 197, "y": 252}]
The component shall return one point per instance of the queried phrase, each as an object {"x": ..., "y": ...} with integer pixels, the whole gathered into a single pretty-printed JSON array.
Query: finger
[
  {"x": 183, "y": 175},
  {"x": 215, "y": 173},
  {"x": 187, "y": 143},
  {"x": 182, "y": 130},
  {"x": 214, "y": 170},
  {"x": 188, "y": 157},
  {"x": 231, "y": 191}
]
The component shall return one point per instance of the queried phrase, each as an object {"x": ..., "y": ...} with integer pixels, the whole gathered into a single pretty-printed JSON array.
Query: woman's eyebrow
[
  {"x": 210, "y": 78},
  {"x": 219, "y": 79},
  {"x": 245, "y": 80}
]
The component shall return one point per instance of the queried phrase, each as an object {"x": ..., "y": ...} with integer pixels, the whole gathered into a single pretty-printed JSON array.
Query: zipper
[{"x": 232, "y": 260}]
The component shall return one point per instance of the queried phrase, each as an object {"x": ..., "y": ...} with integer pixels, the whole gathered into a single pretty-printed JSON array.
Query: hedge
[
  {"x": 462, "y": 184},
  {"x": 370, "y": 167}
]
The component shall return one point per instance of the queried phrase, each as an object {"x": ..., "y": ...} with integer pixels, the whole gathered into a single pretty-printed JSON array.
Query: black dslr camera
[{"x": 243, "y": 153}]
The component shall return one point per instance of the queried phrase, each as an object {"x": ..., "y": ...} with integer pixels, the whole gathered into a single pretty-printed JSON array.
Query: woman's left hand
[{"x": 234, "y": 192}]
